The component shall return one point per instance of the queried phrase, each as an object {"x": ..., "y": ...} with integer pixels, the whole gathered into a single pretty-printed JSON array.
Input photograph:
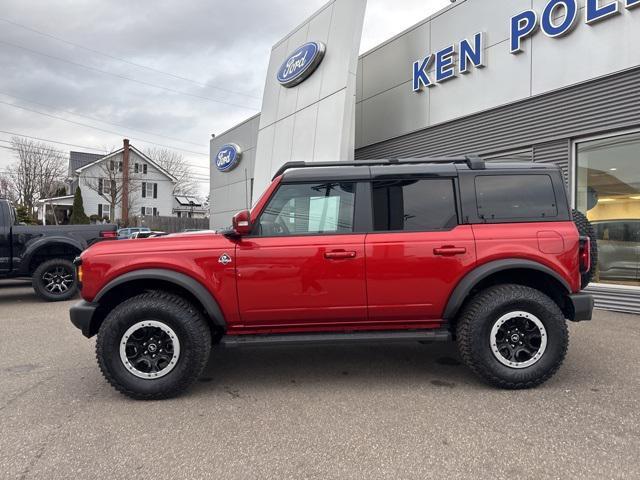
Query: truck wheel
[
  {"x": 55, "y": 280},
  {"x": 153, "y": 346},
  {"x": 512, "y": 336},
  {"x": 586, "y": 230}
]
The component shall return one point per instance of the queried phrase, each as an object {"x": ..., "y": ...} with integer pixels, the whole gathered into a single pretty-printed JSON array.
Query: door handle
[
  {"x": 449, "y": 250},
  {"x": 341, "y": 255}
]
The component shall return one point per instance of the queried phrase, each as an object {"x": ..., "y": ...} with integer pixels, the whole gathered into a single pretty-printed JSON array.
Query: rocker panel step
[{"x": 435, "y": 335}]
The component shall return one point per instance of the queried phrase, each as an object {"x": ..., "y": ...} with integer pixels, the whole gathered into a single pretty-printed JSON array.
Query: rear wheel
[
  {"x": 55, "y": 280},
  {"x": 153, "y": 346},
  {"x": 512, "y": 336}
]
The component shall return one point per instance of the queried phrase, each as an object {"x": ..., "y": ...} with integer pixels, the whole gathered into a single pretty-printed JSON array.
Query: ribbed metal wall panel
[
  {"x": 605, "y": 104},
  {"x": 554, "y": 152},
  {"x": 616, "y": 298}
]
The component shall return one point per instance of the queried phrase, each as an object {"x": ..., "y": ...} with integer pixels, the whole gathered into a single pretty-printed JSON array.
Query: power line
[
  {"x": 76, "y": 146},
  {"x": 125, "y": 60},
  {"x": 99, "y": 120},
  {"x": 53, "y": 141},
  {"x": 94, "y": 177},
  {"x": 100, "y": 129},
  {"x": 81, "y": 65}
]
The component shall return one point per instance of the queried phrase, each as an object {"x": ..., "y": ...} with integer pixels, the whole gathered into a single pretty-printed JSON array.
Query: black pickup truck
[{"x": 45, "y": 253}]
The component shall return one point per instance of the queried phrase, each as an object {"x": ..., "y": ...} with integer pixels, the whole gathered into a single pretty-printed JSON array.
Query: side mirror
[{"x": 242, "y": 223}]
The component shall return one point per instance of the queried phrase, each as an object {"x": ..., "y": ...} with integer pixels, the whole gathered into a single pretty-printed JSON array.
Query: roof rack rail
[{"x": 474, "y": 162}]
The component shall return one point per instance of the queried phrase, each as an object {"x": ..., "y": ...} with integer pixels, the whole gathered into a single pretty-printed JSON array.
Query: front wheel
[
  {"x": 55, "y": 280},
  {"x": 153, "y": 346},
  {"x": 513, "y": 336}
]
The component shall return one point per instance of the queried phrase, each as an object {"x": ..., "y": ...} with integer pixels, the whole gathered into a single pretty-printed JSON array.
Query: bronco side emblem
[{"x": 224, "y": 259}]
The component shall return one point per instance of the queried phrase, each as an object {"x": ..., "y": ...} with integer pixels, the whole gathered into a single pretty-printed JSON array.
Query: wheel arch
[
  {"x": 49, "y": 248},
  {"x": 139, "y": 281},
  {"x": 516, "y": 271}
]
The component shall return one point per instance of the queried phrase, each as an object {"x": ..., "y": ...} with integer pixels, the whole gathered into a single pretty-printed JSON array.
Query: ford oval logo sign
[
  {"x": 301, "y": 64},
  {"x": 228, "y": 157}
]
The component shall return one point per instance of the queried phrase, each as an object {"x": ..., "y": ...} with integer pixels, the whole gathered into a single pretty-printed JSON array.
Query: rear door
[{"x": 418, "y": 252}]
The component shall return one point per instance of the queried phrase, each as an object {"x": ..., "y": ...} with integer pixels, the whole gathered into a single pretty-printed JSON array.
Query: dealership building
[{"x": 549, "y": 81}]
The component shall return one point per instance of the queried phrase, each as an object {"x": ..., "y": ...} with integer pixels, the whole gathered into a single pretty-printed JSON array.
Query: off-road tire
[
  {"x": 40, "y": 284},
  {"x": 586, "y": 230},
  {"x": 474, "y": 331},
  {"x": 182, "y": 317}
]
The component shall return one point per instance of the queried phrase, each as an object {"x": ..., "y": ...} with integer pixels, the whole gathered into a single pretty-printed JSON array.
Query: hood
[{"x": 171, "y": 243}]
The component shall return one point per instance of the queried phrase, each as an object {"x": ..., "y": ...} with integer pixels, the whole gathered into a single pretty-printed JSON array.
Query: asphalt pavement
[{"x": 364, "y": 412}]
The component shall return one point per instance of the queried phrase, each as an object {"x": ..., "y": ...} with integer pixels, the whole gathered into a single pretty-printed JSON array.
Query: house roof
[
  {"x": 80, "y": 159},
  {"x": 55, "y": 199},
  {"x": 117, "y": 152}
]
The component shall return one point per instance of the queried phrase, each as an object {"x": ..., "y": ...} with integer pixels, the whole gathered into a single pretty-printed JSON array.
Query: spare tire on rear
[{"x": 586, "y": 230}]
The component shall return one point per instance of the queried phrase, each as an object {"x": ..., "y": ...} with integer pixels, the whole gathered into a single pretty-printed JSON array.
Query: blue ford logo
[
  {"x": 301, "y": 64},
  {"x": 228, "y": 157}
]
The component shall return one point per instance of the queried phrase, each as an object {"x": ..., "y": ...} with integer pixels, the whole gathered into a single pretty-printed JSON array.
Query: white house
[{"x": 151, "y": 188}]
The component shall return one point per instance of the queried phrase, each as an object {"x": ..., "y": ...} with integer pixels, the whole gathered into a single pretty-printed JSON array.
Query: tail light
[
  {"x": 108, "y": 234},
  {"x": 585, "y": 254}
]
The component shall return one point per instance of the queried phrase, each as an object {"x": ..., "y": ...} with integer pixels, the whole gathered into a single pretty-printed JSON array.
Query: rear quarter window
[{"x": 515, "y": 197}]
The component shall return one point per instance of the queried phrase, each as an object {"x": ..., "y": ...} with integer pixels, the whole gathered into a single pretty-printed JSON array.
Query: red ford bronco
[{"x": 488, "y": 255}]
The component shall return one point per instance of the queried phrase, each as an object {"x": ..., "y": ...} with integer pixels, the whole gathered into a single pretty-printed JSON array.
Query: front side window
[
  {"x": 515, "y": 197},
  {"x": 303, "y": 209},
  {"x": 608, "y": 192},
  {"x": 414, "y": 205}
]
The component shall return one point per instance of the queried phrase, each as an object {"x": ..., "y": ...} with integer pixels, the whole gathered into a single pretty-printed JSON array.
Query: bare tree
[
  {"x": 6, "y": 187},
  {"x": 38, "y": 172},
  {"x": 175, "y": 164},
  {"x": 110, "y": 184}
]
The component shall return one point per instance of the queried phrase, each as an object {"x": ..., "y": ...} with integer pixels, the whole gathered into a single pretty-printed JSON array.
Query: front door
[
  {"x": 417, "y": 253},
  {"x": 305, "y": 266}
]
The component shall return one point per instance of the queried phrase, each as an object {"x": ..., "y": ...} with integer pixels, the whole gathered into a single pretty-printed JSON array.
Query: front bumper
[
  {"x": 582, "y": 306},
  {"x": 82, "y": 315}
]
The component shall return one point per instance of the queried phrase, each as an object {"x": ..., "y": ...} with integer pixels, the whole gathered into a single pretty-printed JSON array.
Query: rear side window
[
  {"x": 414, "y": 205},
  {"x": 522, "y": 197}
]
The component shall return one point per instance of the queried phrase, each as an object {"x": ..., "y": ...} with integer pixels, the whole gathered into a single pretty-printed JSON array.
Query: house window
[
  {"x": 113, "y": 166},
  {"x": 608, "y": 192},
  {"x": 106, "y": 186},
  {"x": 148, "y": 211},
  {"x": 144, "y": 168},
  {"x": 106, "y": 211},
  {"x": 149, "y": 190},
  {"x": 136, "y": 168}
]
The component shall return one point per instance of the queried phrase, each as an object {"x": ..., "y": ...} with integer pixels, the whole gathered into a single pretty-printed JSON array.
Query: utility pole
[{"x": 125, "y": 182}]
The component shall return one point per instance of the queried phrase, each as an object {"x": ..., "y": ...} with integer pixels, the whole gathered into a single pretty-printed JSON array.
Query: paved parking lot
[{"x": 402, "y": 411}]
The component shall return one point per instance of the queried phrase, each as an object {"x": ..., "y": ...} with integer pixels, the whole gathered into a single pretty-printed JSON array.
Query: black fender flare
[
  {"x": 38, "y": 244},
  {"x": 179, "y": 279},
  {"x": 469, "y": 281}
]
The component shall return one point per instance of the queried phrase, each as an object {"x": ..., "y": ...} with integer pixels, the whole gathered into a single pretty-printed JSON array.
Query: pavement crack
[{"x": 24, "y": 392}]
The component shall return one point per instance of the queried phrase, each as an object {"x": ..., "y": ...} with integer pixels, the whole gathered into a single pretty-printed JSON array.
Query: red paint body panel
[
  {"x": 289, "y": 281},
  {"x": 521, "y": 240},
  {"x": 410, "y": 279},
  {"x": 193, "y": 255}
]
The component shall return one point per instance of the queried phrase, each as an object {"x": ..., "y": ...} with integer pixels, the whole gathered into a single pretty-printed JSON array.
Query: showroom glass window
[
  {"x": 414, "y": 205},
  {"x": 608, "y": 191},
  {"x": 307, "y": 209}
]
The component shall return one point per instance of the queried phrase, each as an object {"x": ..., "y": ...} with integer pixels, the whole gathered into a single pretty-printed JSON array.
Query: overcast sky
[{"x": 214, "y": 54}]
